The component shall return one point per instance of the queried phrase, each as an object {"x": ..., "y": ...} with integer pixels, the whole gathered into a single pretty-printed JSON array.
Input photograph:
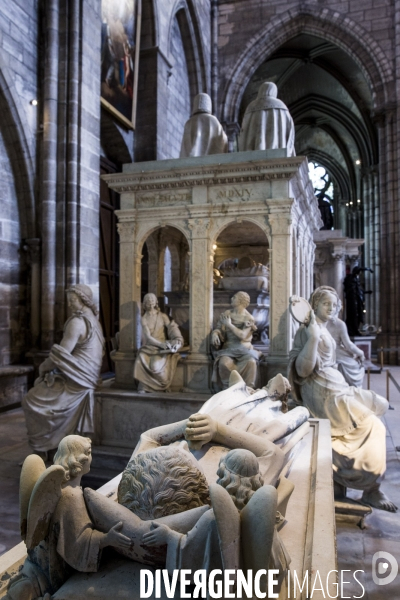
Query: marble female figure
[
  {"x": 358, "y": 435},
  {"x": 349, "y": 358},
  {"x": 156, "y": 362},
  {"x": 62, "y": 400},
  {"x": 234, "y": 330}
]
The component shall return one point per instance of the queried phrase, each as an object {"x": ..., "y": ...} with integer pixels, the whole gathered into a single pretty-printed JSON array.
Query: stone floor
[{"x": 356, "y": 547}]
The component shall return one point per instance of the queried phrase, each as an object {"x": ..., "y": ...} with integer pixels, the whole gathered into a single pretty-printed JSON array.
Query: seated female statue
[
  {"x": 62, "y": 400},
  {"x": 349, "y": 358},
  {"x": 156, "y": 361},
  {"x": 234, "y": 330},
  {"x": 358, "y": 435}
]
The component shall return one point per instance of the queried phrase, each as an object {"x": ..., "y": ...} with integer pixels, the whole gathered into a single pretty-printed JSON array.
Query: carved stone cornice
[{"x": 217, "y": 175}]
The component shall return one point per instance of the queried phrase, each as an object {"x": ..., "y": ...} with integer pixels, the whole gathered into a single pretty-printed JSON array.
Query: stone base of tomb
[
  {"x": 308, "y": 531},
  {"x": 122, "y": 415}
]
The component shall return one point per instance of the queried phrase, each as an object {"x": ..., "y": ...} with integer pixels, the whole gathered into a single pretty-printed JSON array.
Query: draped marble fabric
[
  {"x": 62, "y": 402},
  {"x": 154, "y": 368},
  {"x": 203, "y": 135},
  {"x": 358, "y": 436},
  {"x": 267, "y": 123}
]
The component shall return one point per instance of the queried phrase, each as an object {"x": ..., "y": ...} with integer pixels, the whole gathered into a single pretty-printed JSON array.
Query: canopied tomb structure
[{"x": 201, "y": 197}]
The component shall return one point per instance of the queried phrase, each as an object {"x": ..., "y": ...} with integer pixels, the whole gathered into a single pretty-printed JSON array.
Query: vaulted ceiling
[{"x": 330, "y": 102}]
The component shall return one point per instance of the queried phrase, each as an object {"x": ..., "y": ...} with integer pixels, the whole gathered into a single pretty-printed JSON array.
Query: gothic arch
[
  {"x": 18, "y": 150},
  {"x": 332, "y": 26},
  {"x": 187, "y": 18}
]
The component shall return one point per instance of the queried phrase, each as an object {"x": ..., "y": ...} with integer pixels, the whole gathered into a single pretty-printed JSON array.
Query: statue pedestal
[
  {"x": 122, "y": 415},
  {"x": 364, "y": 342}
]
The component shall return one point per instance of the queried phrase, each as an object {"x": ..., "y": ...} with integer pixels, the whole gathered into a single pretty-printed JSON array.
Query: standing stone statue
[
  {"x": 156, "y": 361},
  {"x": 203, "y": 132},
  {"x": 62, "y": 400},
  {"x": 267, "y": 123},
  {"x": 234, "y": 331},
  {"x": 355, "y": 300}
]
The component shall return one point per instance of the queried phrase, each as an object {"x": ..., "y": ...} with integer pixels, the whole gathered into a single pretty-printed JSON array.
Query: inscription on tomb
[
  {"x": 158, "y": 199},
  {"x": 231, "y": 194}
]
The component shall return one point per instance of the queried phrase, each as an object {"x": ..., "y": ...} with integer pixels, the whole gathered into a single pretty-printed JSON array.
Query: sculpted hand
[
  {"x": 226, "y": 320},
  {"x": 313, "y": 329},
  {"x": 215, "y": 339},
  {"x": 200, "y": 428},
  {"x": 46, "y": 366},
  {"x": 360, "y": 357},
  {"x": 158, "y": 536},
  {"x": 115, "y": 538}
]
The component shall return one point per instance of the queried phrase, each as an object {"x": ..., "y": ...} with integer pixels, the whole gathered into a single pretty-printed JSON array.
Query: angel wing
[
  {"x": 32, "y": 469},
  {"x": 44, "y": 499},
  {"x": 257, "y": 526},
  {"x": 228, "y": 526}
]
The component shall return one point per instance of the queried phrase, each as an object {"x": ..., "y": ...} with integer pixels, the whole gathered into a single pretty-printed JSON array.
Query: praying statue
[
  {"x": 156, "y": 362},
  {"x": 61, "y": 401},
  {"x": 203, "y": 133},
  {"x": 358, "y": 434},
  {"x": 267, "y": 123},
  {"x": 234, "y": 332}
]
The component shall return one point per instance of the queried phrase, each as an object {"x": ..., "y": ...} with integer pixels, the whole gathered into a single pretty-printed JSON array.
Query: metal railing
[{"x": 389, "y": 377}]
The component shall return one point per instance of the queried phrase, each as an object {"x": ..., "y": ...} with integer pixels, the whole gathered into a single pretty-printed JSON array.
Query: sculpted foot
[{"x": 377, "y": 499}]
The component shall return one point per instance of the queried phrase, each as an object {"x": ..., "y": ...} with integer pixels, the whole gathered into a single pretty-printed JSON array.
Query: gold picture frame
[{"x": 120, "y": 48}]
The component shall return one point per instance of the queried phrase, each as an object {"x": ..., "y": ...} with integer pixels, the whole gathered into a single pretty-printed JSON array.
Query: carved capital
[
  {"x": 126, "y": 230},
  {"x": 199, "y": 227},
  {"x": 280, "y": 223}
]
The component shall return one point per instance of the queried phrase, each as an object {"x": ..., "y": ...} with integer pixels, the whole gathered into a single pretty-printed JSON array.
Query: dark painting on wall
[{"x": 120, "y": 37}]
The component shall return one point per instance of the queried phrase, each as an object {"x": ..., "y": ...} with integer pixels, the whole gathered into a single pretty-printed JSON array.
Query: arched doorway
[
  {"x": 241, "y": 263},
  {"x": 165, "y": 273}
]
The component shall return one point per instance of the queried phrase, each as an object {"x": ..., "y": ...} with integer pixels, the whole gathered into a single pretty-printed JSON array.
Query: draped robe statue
[
  {"x": 203, "y": 132},
  {"x": 267, "y": 123}
]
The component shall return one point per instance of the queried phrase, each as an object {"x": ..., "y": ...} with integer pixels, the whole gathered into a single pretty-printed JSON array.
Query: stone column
[
  {"x": 129, "y": 313},
  {"x": 49, "y": 175},
  {"x": 310, "y": 259},
  {"x": 232, "y": 131},
  {"x": 281, "y": 290},
  {"x": 201, "y": 296},
  {"x": 338, "y": 255},
  {"x": 32, "y": 246}
]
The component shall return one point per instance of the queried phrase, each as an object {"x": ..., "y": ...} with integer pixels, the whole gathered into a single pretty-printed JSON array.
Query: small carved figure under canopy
[
  {"x": 203, "y": 132},
  {"x": 234, "y": 331},
  {"x": 156, "y": 361},
  {"x": 358, "y": 435},
  {"x": 267, "y": 123},
  {"x": 62, "y": 399}
]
